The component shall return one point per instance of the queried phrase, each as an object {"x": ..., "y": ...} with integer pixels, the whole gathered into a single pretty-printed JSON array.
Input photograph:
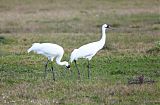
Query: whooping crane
[
  {"x": 89, "y": 50},
  {"x": 51, "y": 51}
]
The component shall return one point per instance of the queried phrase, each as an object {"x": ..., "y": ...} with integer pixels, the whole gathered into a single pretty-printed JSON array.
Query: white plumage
[
  {"x": 50, "y": 51},
  {"x": 86, "y": 51},
  {"x": 89, "y": 50}
]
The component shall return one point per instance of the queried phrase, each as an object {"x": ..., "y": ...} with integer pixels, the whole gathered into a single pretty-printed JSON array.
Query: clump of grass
[
  {"x": 2, "y": 39},
  {"x": 6, "y": 40},
  {"x": 155, "y": 27},
  {"x": 135, "y": 26},
  {"x": 155, "y": 49}
]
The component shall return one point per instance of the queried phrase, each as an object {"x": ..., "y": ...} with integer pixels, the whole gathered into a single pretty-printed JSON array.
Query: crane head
[
  {"x": 68, "y": 66},
  {"x": 105, "y": 26}
]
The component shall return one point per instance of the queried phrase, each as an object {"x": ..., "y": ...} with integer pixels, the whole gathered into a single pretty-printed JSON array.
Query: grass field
[{"x": 131, "y": 50}]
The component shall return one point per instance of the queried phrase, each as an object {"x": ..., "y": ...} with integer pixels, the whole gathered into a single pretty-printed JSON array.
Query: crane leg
[
  {"x": 77, "y": 69},
  {"x": 89, "y": 69},
  {"x": 45, "y": 70},
  {"x": 53, "y": 71}
]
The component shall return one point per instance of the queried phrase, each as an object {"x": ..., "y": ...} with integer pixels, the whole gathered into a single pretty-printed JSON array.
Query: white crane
[
  {"x": 50, "y": 51},
  {"x": 89, "y": 50}
]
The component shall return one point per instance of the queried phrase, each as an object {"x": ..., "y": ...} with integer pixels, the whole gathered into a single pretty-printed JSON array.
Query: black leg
[
  {"x": 45, "y": 71},
  {"x": 53, "y": 71},
  {"x": 89, "y": 69},
  {"x": 77, "y": 69}
]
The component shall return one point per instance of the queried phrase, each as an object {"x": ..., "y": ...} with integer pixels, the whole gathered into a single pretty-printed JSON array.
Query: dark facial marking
[
  {"x": 68, "y": 66},
  {"x": 108, "y": 26}
]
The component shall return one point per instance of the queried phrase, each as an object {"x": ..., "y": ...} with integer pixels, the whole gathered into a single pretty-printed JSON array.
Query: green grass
[
  {"x": 22, "y": 75},
  {"x": 131, "y": 50}
]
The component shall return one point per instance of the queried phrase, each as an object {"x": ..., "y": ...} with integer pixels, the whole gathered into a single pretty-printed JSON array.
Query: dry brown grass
[
  {"x": 78, "y": 93},
  {"x": 60, "y": 16}
]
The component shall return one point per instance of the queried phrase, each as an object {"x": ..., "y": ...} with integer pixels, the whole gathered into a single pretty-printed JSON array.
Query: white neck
[
  {"x": 58, "y": 61},
  {"x": 103, "y": 38}
]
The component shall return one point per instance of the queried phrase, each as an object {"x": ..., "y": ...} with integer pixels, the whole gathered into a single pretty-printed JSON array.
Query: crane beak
[{"x": 111, "y": 28}]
